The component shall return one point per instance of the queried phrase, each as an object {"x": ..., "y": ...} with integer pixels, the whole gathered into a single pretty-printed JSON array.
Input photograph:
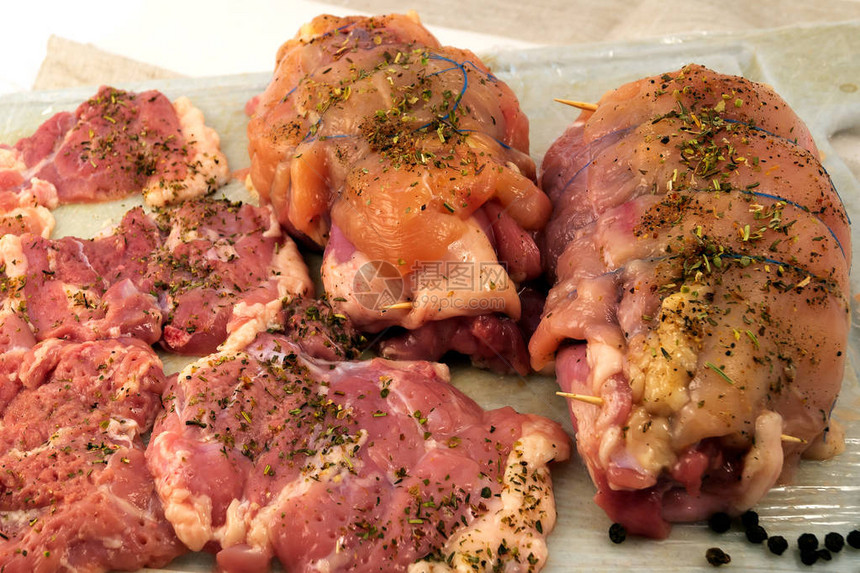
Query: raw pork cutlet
[
  {"x": 701, "y": 295},
  {"x": 310, "y": 323},
  {"x": 52, "y": 285},
  {"x": 174, "y": 277},
  {"x": 76, "y": 493},
  {"x": 372, "y": 465},
  {"x": 118, "y": 143},
  {"x": 216, "y": 255},
  {"x": 408, "y": 161}
]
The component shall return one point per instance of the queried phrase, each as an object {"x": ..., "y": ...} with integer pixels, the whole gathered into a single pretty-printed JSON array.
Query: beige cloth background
[
  {"x": 70, "y": 64},
  {"x": 554, "y": 22}
]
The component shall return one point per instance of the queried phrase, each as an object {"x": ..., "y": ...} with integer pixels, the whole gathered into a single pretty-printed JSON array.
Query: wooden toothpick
[
  {"x": 594, "y": 400},
  {"x": 578, "y": 104}
]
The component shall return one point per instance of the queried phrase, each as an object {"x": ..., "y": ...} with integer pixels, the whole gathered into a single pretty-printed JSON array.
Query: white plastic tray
[{"x": 817, "y": 71}]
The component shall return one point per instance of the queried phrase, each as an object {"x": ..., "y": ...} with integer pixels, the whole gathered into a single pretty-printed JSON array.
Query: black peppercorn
[
  {"x": 808, "y": 557},
  {"x": 717, "y": 557},
  {"x": 720, "y": 522},
  {"x": 834, "y": 542},
  {"x": 824, "y": 555},
  {"x": 749, "y": 519},
  {"x": 854, "y": 539},
  {"x": 807, "y": 542},
  {"x": 756, "y": 534},
  {"x": 777, "y": 544},
  {"x": 617, "y": 533}
]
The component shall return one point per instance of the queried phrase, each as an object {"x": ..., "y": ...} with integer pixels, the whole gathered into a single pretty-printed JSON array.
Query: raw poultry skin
[
  {"x": 264, "y": 450},
  {"x": 377, "y": 142},
  {"x": 701, "y": 258}
]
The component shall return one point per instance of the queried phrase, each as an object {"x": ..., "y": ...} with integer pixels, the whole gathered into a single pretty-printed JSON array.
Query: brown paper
[{"x": 70, "y": 64}]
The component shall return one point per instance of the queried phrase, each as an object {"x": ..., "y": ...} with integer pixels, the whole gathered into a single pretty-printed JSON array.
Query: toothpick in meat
[
  {"x": 578, "y": 104},
  {"x": 595, "y": 400}
]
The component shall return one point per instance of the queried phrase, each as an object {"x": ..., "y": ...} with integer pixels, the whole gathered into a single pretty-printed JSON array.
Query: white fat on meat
[
  {"x": 430, "y": 294},
  {"x": 12, "y": 253},
  {"x": 190, "y": 515},
  {"x": 249, "y": 319},
  {"x": 19, "y": 191},
  {"x": 291, "y": 271},
  {"x": 26, "y": 208},
  {"x": 38, "y": 218},
  {"x": 39, "y": 192},
  {"x": 207, "y": 164},
  {"x": 763, "y": 462},
  {"x": 10, "y": 159},
  {"x": 516, "y": 518}
]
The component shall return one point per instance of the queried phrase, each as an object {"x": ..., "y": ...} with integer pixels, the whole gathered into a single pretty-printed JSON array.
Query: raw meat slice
[
  {"x": 77, "y": 495},
  {"x": 215, "y": 255},
  {"x": 54, "y": 287},
  {"x": 176, "y": 276},
  {"x": 350, "y": 466},
  {"x": 119, "y": 143},
  {"x": 701, "y": 263}
]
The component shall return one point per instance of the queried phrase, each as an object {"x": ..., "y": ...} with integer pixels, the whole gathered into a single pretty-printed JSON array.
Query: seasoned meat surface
[
  {"x": 348, "y": 466},
  {"x": 77, "y": 495},
  {"x": 701, "y": 258},
  {"x": 397, "y": 154},
  {"x": 118, "y": 143}
]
